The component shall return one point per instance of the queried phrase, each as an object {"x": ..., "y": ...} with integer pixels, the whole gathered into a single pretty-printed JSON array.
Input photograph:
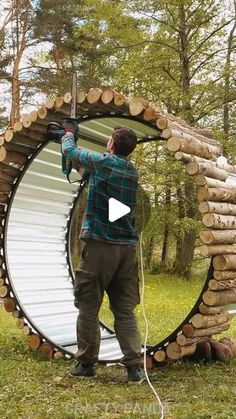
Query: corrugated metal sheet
[{"x": 36, "y": 242}]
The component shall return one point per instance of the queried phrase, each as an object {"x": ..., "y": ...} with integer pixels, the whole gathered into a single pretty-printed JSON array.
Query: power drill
[{"x": 56, "y": 131}]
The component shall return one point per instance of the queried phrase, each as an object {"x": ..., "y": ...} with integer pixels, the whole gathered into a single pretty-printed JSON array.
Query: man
[{"x": 108, "y": 261}]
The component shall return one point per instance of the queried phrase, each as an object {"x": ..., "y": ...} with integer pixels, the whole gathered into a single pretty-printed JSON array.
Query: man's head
[{"x": 122, "y": 141}]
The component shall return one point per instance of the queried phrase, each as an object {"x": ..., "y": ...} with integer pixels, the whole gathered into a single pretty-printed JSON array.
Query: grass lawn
[{"x": 33, "y": 388}]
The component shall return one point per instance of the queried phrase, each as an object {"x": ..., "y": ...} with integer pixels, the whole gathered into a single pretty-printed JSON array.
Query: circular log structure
[{"x": 37, "y": 204}]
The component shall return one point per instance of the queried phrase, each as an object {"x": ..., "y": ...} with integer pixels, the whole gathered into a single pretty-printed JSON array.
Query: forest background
[{"x": 179, "y": 55}]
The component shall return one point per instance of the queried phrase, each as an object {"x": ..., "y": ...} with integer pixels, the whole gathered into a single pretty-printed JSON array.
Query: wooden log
[
  {"x": 107, "y": 96},
  {"x": 160, "y": 355},
  {"x": 215, "y": 237},
  {"x": 186, "y": 158},
  {"x": 206, "y": 169},
  {"x": 224, "y": 208},
  {"x": 58, "y": 355},
  {"x": 3, "y": 153},
  {"x": 81, "y": 97},
  {"x": 204, "y": 309},
  {"x": 94, "y": 94},
  {"x": 8, "y": 135},
  {"x": 174, "y": 351},
  {"x": 20, "y": 148},
  {"x": 4, "y": 291},
  {"x": 218, "y": 221},
  {"x": 222, "y": 275},
  {"x": 2, "y": 216},
  {"x": 5, "y": 177},
  {"x": 33, "y": 116},
  {"x": 26, "y": 330},
  {"x": 137, "y": 105},
  {"x": 218, "y": 249},
  {"x": 4, "y": 198},
  {"x": 42, "y": 113},
  {"x": 2, "y": 140},
  {"x": 27, "y": 137},
  {"x": 192, "y": 147},
  {"x": 45, "y": 350},
  {"x": 180, "y": 133},
  {"x": 150, "y": 114},
  {"x": 67, "y": 97},
  {"x": 58, "y": 102},
  {"x": 220, "y": 351},
  {"x": 215, "y": 285},
  {"x": 10, "y": 170},
  {"x": 26, "y": 121},
  {"x": 6, "y": 187},
  {"x": 219, "y": 298},
  {"x": 2, "y": 282},
  {"x": 16, "y": 314},
  {"x": 201, "y": 321},
  {"x": 183, "y": 341},
  {"x": 149, "y": 362},
  {"x": 210, "y": 330},
  {"x": 20, "y": 322},
  {"x": 214, "y": 194},
  {"x": 34, "y": 341},
  {"x": 51, "y": 102},
  {"x": 203, "y": 351},
  {"x": 162, "y": 122},
  {"x": 17, "y": 126},
  {"x": 2, "y": 272},
  {"x": 187, "y": 330},
  {"x": 224, "y": 263},
  {"x": 9, "y": 304},
  {"x": 121, "y": 101},
  {"x": 14, "y": 157},
  {"x": 230, "y": 343},
  {"x": 202, "y": 180},
  {"x": 179, "y": 124}
]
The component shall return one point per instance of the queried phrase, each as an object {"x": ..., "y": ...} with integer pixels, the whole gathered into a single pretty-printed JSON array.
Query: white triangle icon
[{"x": 116, "y": 209}]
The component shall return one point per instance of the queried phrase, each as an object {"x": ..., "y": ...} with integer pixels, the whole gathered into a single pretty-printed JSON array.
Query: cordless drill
[{"x": 56, "y": 131}]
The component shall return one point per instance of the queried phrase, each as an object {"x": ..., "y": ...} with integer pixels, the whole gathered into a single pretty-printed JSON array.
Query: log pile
[{"x": 217, "y": 204}]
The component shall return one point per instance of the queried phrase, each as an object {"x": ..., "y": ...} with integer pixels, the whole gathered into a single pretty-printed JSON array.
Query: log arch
[{"x": 24, "y": 151}]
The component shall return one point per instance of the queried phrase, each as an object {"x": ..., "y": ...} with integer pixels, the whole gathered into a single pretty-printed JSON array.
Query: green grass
[
  {"x": 33, "y": 388},
  {"x": 167, "y": 301}
]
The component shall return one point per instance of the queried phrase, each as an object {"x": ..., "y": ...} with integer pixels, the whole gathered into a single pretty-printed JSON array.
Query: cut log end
[
  {"x": 45, "y": 350},
  {"x": 160, "y": 356},
  {"x": 9, "y": 305},
  {"x": 34, "y": 341}
]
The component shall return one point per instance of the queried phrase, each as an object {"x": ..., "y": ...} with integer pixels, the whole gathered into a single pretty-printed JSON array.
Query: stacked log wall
[{"x": 190, "y": 146}]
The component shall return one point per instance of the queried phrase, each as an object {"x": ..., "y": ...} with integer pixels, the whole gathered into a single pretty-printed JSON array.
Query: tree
[{"x": 184, "y": 41}]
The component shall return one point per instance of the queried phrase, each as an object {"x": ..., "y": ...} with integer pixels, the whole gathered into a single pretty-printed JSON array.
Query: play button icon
[{"x": 116, "y": 209}]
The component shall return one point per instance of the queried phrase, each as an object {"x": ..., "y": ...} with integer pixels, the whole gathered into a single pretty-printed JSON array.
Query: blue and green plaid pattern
[{"x": 111, "y": 176}]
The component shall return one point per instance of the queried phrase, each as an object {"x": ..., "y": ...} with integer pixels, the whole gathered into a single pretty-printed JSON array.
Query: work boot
[
  {"x": 82, "y": 370},
  {"x": 135, "y": 375}
]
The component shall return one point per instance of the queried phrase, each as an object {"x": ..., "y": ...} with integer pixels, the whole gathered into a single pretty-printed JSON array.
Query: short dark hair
[{"x": 125, "y": 140}]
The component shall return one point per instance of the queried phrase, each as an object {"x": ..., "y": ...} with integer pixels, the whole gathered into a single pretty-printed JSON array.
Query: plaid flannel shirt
[{"x": 111, "y": 176}]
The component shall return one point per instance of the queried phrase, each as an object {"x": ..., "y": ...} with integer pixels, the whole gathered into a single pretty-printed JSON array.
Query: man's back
[{"x": 113, "y": 177}]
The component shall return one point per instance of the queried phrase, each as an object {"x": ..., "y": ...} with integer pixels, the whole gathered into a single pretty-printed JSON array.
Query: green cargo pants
[{"x": 114, "y": 269}]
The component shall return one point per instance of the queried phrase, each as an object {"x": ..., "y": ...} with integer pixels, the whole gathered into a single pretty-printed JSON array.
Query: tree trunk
[
  {"x": 227, "y": 89},
  {"x": 179, "y": 239},
  {"x": 165, "y": 246},
  {"x": 149, "y": 252},
  {"x": 188, "y": 244},
  {"x": 22, "y": 10}
]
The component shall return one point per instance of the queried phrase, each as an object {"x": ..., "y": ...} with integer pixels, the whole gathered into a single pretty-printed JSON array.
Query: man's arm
[{"x": 90, "y": 161}]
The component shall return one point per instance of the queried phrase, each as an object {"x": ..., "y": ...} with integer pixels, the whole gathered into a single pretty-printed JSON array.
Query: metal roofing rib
[{"x": 36, "y": 249}]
